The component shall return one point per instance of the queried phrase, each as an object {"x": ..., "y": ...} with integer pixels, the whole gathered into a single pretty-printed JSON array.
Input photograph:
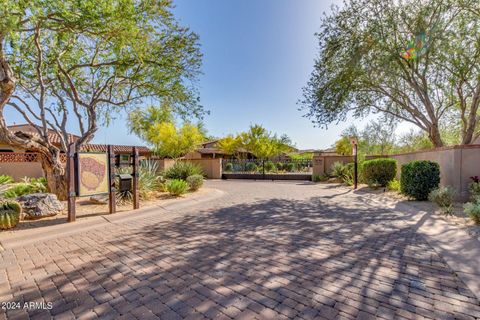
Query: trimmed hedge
[
  {"x": 419, "y": 178},
  {"x": 379, "y": 171}
]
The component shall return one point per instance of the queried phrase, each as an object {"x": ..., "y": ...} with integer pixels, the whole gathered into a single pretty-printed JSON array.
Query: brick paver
[{"x": 264, "y": 251}]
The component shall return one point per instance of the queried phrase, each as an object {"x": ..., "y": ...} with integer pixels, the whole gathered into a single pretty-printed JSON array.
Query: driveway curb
[{"x": 15, "y": 240}]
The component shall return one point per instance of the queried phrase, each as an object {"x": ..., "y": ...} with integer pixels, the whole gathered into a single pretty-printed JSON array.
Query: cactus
[{"x": 9, "y": 214}]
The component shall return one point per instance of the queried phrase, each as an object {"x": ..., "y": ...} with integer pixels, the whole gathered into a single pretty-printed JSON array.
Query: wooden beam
[
  {"x": 135, "y": 174},
  {"x": 71, "y": 194},
  {"x": 112, "y": 204}
]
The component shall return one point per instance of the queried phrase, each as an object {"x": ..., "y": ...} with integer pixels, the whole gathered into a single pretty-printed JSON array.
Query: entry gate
[{"x": 267, "y": 169}]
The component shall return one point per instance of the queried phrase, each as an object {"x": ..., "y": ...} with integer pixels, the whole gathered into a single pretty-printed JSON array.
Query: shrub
[
  {"x": 317, "y": 178},
  {"x": 289, "y": 167},
  {"x": 419, "y": 178},
  {"x": 24, "y": 188},
  {"x": 229, "y": 166},
  {"x": 9, "y": 214},
  {"x": 472, "y": 209},
  {"x": 195, "y": 182},
  {"x": 176, "y": 187},
  {"x": 474, "y": 188},
  {"x": 348, "y": 175},
  {"x": 379, "y": 171},
  {"x": 181, "y": 170},
  {"x": 337, "y": 169},
  {"x": 251, "y": 167},
  {"x": 269, "y": 166},
  {"x": 393, "y": 185},
  {"x": 4, "y": 179},
  {"x": 443, "y": 197},
  {"x": 279, "y": 166}
]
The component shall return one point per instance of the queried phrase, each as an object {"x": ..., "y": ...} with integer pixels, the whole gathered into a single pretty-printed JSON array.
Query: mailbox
[{"x": 125, "y": 182}]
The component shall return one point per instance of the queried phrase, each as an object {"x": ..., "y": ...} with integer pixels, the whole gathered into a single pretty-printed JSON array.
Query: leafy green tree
[
  {"x": 343, "y": 146},
  {"x": 75, "y": 63},
  {"x": 417, "y": 61},
  {"x": 231, "y": 145},
  {"x": 172, "y": 142}
]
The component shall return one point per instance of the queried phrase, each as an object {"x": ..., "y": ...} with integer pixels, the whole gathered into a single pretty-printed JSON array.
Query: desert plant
[
  {"x": 9, "y": 214},
  {"x": 176, "y": 187},
  {"x": 289, "y": 167},
  {"x": 24, "y": 188},
  {"x": 4, "y": 179},
  {"x": 316, "y": 178},
  {"x": 251, "y": 167},
  {"x": 419, "y": 178},
  {"x": 472, "y": 209},
  {"x": 229, "y": 166},
  {"x": 124, "y": 197},
  {"x": 195, "y": 182},
  {"x": 474, "y": 188},
  {"x": 348, "y": 174},
  {"x": 269, "y": 166},
  {"x": 443, "y": 197},
  {"x": 337, "y": 170},
  {"x": 393, "y": 185},
  {"x": 379, "y": 171},
  {"x": 181, "y": 170},
  {"x": 279, "y": 166},
  {"x": 149, "y": 181}
]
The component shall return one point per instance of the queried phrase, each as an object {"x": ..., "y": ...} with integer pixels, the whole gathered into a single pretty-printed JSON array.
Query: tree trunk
[
  {"x": 55, "y": 174},
  {"x": 435, "y": 137}
]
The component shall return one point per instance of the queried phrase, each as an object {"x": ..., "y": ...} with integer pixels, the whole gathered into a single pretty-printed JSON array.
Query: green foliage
[
  {"x": 258, "y": 141},
  {"x": 472, "y": 209},
  {"x": 444, "y": 198},
  {"x": 195, "y": 182},
  {"x": 363, "y": 65},
  {"x": 269, "y": 166},
  {"x": 9, "y": 214},
  {"x": 176, "y": 187},
  {"x": 172, "y": 142},
  {"x": 379, "y": 171},
  {"x": 251, "y": 167},
  {"x": 82, "y": 61},
  {"x": 280, "y": 166},
  {"x": 419, "y": 178},
  {"x": 289, "y": 167},
  {"x": 343, "y": 146},
  {"x": 4, "y": 179},
  {"x": 181, "y": 170},
  {"x": 141, "y": 121},
  {"x": 348, "y": 176},
  {"x": 229, "y": 167},
  {"x": 149, "y": 179},
  {"x": 319, "y": 178},
  {"x": 393, "y": 185},
  {"x": 23, "y": 188},
  {"x": 301, "y": 156},
  {"x": 474, "y": 190},
  {"x": 337, "y": 170}
]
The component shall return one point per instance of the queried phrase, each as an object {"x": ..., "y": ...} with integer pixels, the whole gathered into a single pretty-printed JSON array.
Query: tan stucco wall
[
  {"x": 457, "y": 165},
  {"x": 323, "y": 164},
  {"x": 211, "y": 167},
  {"x": 19, "y": 170}
]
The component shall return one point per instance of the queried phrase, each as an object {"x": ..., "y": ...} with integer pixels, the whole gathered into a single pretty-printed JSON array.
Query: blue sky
[{"x": 258, "y": 54}]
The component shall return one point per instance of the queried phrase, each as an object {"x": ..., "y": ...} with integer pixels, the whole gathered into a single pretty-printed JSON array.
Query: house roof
[
  {"x": 210, "y": 150},
  {"x": 90, "y": 147},
  {"x": 53, "y": 137}
]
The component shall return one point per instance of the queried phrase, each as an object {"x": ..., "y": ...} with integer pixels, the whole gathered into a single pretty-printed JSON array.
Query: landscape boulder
[
  {"x": 40, "y": 205},
  {"x": 99, "y": 199}
]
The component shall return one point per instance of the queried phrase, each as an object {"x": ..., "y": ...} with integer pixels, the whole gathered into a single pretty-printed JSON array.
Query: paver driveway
[{"x": 264, "y": 250}]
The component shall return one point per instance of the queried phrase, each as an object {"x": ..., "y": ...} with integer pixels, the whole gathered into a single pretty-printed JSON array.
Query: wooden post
[
  {"x": 135, "y": 174},
  {"x": 355, "y": 168},
  {"x": 112, "y": 204},
  {"x": 71, "y": 194},
  {"x": 354, "y": 143}
]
